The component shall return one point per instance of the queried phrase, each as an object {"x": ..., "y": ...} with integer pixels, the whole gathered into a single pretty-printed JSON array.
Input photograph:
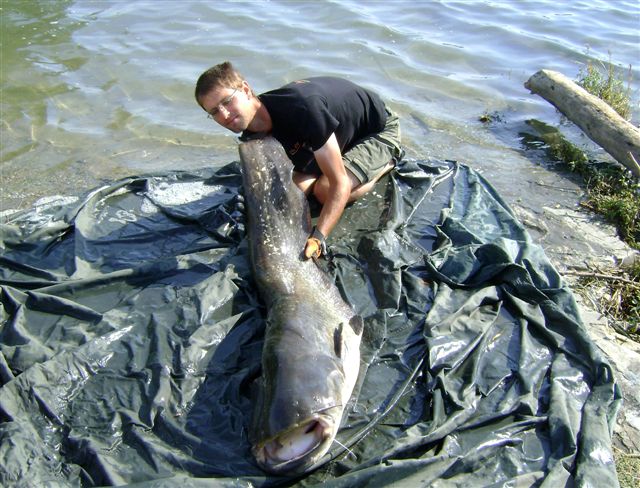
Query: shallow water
[{"x": 93, "y": 91}]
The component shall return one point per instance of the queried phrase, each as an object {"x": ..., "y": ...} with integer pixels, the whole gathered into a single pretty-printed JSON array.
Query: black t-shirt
[{"x": 305, "y": 113}]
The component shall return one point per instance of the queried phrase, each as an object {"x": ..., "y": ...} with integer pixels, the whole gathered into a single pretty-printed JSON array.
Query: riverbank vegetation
[
  {"x": 610, "y": 191},
  {"x": 613, "y": 193},
  {"x": 605, "y": 82}
]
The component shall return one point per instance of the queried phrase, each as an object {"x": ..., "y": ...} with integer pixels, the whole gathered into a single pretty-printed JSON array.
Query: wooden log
[{"x": 596, "y": 118}]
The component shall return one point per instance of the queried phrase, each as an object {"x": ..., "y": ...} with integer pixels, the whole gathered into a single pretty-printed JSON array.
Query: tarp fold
[{"x": 131, "y": 334}]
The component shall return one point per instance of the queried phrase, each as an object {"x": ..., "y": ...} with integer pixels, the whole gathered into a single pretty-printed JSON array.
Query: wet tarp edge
[{"x": 131, "y": 335}]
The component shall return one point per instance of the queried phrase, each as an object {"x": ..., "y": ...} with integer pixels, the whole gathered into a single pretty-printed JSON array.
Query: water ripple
[{"x": 111, "y": 83}]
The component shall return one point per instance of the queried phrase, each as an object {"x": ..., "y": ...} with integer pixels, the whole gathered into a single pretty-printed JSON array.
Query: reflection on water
[{"x": 97, "y": 90}]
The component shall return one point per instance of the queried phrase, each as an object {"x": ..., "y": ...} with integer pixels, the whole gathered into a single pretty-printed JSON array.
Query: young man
[{"x": 340, "y": 137}]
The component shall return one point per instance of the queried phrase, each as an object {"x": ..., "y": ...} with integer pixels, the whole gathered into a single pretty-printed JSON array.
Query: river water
[{"x": 93, "y": 91}]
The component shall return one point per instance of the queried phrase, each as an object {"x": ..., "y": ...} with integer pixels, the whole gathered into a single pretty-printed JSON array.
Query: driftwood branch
[
  {"x": 597, "y": 120},
  {"x": 588, "y": 274}
]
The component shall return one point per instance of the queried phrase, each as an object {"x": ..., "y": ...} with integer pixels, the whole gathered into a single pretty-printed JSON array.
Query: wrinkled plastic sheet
[{"x": 131, "y": 341}]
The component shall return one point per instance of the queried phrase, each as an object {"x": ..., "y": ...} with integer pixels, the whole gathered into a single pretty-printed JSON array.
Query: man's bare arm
[{"x": 329, "y": 159}]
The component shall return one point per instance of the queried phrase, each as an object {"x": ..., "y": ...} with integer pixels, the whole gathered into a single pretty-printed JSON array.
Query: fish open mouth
[{"x": 295, "y": 448}]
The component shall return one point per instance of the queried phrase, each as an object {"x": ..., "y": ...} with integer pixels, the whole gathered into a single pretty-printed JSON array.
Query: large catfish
[{"x": 311, "y": 352}]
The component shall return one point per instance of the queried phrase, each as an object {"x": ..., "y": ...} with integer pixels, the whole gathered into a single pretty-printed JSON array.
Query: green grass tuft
[{"x": 605, "y": 82}]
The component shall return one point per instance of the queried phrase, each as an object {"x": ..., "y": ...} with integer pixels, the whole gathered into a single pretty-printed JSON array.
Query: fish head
[{"x": 306, "y": 383}]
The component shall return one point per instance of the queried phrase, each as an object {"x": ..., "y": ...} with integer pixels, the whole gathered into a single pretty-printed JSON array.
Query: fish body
[{"x": 311, "y": 352}]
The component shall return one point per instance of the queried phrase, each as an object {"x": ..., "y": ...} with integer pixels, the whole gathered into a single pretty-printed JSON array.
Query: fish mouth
[{"x": 298, "y": 448}]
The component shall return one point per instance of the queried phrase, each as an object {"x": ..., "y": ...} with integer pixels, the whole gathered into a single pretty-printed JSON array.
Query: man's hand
[{"x": 315, "y": 246}]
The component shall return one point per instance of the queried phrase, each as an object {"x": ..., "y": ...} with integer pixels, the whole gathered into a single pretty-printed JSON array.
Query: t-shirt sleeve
[{"x": 319, "y": 123}]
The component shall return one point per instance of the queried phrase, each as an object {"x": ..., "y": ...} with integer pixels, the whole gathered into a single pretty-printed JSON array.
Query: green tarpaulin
[{"x": 131, "y": 332}]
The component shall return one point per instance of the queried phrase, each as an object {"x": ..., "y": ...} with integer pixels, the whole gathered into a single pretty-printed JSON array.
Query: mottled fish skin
[{"x": 311, "y": 356}]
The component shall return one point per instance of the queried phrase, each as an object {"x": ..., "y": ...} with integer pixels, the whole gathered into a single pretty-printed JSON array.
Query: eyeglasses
[{"x": 215, "y": 111}]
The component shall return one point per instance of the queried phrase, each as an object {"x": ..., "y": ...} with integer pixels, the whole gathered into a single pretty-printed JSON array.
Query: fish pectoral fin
[{"x": 357, "y": 324}]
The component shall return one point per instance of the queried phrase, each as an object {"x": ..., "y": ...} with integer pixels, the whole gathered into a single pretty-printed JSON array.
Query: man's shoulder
[
  {"x": 310, "y": 86},
  {"x": 297, "y": 97},
  {"x": 321, "y": 81}
]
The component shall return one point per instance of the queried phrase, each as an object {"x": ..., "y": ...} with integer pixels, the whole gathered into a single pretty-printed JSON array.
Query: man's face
[{"x": 230, "y": 107}]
